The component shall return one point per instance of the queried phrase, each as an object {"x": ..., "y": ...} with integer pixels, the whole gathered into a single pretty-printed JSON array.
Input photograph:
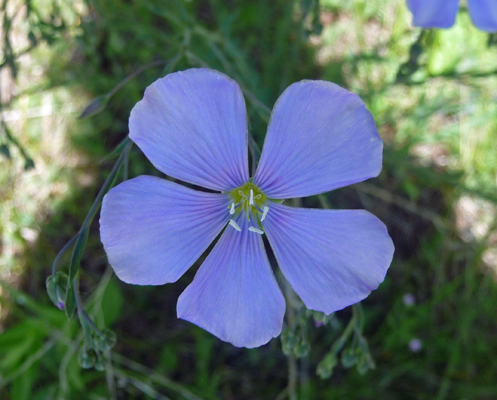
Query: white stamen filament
[
  {"x": 256, "y": 230},
  {"x": 264, "y": 212},
  {"x": 235, "y": 225},
  {"x": 251, "y": 200},
  {"x": 232, "y": 209}
]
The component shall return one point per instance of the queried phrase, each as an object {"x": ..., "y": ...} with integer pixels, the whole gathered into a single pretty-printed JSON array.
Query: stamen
[
  {"x": 251, "y": 200},
  {"x": 264, "y": 212},
  {"x": 256, "y": 230},
  {"x": 232, "y": 209},
  {"x": 235, "y": 225},
  {"x": 259, "y": 196}
]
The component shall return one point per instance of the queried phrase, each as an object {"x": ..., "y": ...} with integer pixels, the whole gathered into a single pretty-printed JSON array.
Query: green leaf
[
  {"x": 29, "y": 327},
  {"x": 57, "y": 289},
  {"x": 74, "y": 378},
  {"x": 52, "y": 289},
  {"x": 70, "y": 301},
  {"x": 77, "y": 254},
  {"x": 15, "y": 355},
  {"x": 22, "y": 385},
  {"x": 95, "y": 107},
  {"x": 118, "y": 150}
]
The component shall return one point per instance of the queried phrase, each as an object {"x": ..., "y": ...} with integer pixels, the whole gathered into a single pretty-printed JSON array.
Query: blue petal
[
  {"x": 332, "y": 258},
  {"x": 320, "y": 137},
  {"x": 234, "y": 294},
  {"x": 484, "y": 14},
  {"x": 153, "y": 230},
  {"x": 433, "y": 13},
  {"x": 192, "y": 125}
]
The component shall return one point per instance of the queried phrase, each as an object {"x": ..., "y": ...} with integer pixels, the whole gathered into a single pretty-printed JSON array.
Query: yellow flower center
[{"x": 251, "y": 201}]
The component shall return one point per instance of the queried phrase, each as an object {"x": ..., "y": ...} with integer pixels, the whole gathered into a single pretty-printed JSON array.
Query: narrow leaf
[{"x": 96, "y": 106}]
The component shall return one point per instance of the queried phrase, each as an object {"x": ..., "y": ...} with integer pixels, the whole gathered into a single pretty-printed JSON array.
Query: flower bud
[
  {"x": 302, "y": 349},
  {"x": 349, "y": 358},
  {"x": 57, "y": 289},
  {"x": 96, "y": 106},
  {"x": 288, "y": 341},
  {"x": 106, "y": 341},
  {"x": 326, "y": 366},
  {"x": 88, "y": 358}
]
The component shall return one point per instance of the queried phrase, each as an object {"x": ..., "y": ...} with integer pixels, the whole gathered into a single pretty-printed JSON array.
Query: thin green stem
[
  {"x": 105, "y": 187},
  {"x": 90, "y": 321},
  {"x": 15, "y": 142},
  {"x": 255, "y": 152},
  {"x": 132, "y": 75},
  {"x": 82, "y": 312},
  {"x": 64, "y": 249},
  {"x": 117, "y": 150},
  {"x": 126, "y": 162},
  {"x": 28, "y": 363},
  {"x": 140, "y": 385},
  {"x": 152, "y": 375},
  {"x": 297, "y": 318},
  {"x": 256, "y": 101}
]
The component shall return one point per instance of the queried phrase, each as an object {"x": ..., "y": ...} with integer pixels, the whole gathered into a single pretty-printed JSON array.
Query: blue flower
[
  {"x": 442, "y": 13},
  {"x": 192, "y": 126}
]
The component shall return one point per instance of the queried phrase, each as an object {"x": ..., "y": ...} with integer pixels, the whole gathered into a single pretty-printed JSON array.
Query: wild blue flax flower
[
  {"x": 442, "y": 13},
  {"x": 192, "y": 126}
]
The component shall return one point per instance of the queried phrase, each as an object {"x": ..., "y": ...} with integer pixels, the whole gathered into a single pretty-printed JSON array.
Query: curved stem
[
  {"x": 133, "y": 74},
  {"x": 106, "y": 186},
  {"x": 81, "y": 311},
  {"x": 64, "y": 249},
  {"x": 255, "y": 152}
]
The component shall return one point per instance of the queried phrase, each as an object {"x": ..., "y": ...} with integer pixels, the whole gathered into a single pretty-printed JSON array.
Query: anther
[
  {"x": 232, "y": 209},
  {"x": 264, "y": 212},
  {"x": 235, "y": 225},
  {"x": 256, "y": 230},
  {"x": 251, "y": 200}
]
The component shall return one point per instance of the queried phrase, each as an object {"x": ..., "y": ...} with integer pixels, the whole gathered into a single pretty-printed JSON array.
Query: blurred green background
[{"x": 430, "y": 327}]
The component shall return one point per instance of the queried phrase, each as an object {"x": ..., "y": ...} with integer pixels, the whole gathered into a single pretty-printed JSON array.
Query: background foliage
[{"x": 428, "y": 332}]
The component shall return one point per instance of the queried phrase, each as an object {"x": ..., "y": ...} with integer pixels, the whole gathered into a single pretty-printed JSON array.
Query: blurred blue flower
[
  {"x": 409, "y": 300},
  {"x": 192, "y": 126},
  {"x": 415, "y": 345},
  {"x": 442, "y": 13}
]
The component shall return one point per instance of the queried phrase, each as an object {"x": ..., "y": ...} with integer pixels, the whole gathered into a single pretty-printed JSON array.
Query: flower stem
[
  {"x": 133, "y": 74},
  {"x": 64, "y": 249},
  {"x": 255, "y": 152}
]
